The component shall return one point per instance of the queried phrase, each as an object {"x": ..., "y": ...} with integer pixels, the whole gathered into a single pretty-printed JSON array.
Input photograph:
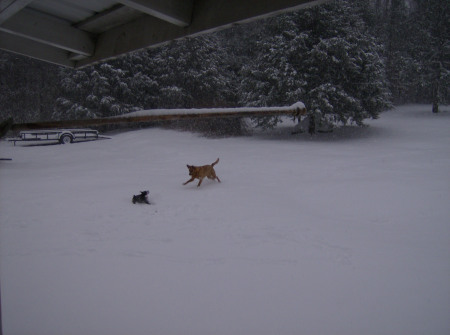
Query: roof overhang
[{"x": 77, "y": 33}]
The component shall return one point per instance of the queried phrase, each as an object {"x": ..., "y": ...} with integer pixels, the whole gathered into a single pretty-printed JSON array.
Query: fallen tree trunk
[{"x": 167, "y": 115}]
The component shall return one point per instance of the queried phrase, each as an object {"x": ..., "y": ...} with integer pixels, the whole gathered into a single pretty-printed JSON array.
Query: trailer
[{"x": 62, "y": 136}]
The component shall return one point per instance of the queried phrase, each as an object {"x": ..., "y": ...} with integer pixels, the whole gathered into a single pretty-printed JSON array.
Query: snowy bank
[{"x": 346, "y": 233}]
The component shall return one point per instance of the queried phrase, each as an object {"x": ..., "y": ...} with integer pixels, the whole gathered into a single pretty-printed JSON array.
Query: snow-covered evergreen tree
[
  {"x": 97, "y": 91},
  {"x": 432, "y": 47},
  {"x": 190, "y": 73},
  {"x": 183, "y": 74},
  {"x": 272, "y": 77},
  {"x": 324, "y": 57},
  {"x": 417, "y": 51},
  {"x": 28, "y": 88}
]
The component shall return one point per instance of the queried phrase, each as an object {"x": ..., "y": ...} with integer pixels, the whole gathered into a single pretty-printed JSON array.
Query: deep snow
[{"x": 344, "y": 233}]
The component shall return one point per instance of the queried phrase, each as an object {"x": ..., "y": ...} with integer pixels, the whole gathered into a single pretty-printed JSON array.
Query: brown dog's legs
[
  {"x": 215, "y": 177},
  {"x": 200, "y": 182},
  {"x": 192, "y": 179}
]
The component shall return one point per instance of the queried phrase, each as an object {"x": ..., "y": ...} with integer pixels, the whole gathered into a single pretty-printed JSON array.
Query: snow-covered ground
[{"x": 343, "y": 233}]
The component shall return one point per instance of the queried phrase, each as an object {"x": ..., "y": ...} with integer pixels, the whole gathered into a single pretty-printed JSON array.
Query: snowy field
[{"x": 344, "y": 233}]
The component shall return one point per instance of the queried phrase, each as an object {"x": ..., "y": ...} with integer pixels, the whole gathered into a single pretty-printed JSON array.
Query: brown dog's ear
[{"x": 188, "y": 166}]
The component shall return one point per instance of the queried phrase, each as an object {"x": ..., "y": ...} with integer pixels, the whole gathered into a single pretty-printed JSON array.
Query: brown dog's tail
[{"x": 217, "y": 161}]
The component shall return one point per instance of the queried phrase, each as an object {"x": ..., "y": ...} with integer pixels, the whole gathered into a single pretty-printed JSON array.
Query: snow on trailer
[{"x": 63, "y": 136}]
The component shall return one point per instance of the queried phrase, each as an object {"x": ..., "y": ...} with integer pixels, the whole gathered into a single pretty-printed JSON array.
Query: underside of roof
[{"x": 77, "y": 33}]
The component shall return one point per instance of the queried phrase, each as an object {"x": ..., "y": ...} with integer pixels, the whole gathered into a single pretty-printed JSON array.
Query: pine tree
[
  {"x": 433, "y": 31},
  {"x": 325, "y": 57},
  {"x": 183, "y": 74},
  {"x": 190, "y": 73},
  {"x": 396, "y": 53},
  {"x": 273, "y": 77},
  {"x": 28, "y": 88},
  {"x": 417, "y": 49},
  {"x": 97, "y": 91}
]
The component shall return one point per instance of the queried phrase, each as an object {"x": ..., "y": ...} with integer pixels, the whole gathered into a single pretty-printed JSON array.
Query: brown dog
[{"x": 200, "y": 172}]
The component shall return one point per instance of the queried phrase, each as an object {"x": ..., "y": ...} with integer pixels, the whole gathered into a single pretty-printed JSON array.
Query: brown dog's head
[{"x": 191, "y": 169}]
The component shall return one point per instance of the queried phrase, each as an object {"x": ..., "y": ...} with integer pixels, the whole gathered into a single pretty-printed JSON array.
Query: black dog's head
[{"x": 141, "y": 198}]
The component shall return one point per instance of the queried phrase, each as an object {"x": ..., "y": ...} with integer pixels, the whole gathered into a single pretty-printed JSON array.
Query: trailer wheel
[{"x": 66, "y": 139}]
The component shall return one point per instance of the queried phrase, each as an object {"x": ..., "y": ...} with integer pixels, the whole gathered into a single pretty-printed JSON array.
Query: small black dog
[{"x": 141, "y": 198}]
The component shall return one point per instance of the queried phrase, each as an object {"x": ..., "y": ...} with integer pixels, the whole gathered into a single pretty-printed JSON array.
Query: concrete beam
[
  {"x": 48, "y": 30},
  {"x": 9, "y": 8},
  {"x": 208, "y": 16},
  {"x": 33, "y": 49},
  {"x": 108, "y": 19},
  {"x": 177, "y": 12},
  {"x": 215, "y": 14}
]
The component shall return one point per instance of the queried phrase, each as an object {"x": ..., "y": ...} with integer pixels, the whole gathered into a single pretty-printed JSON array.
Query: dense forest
[{"x": 347, "y": 60}]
